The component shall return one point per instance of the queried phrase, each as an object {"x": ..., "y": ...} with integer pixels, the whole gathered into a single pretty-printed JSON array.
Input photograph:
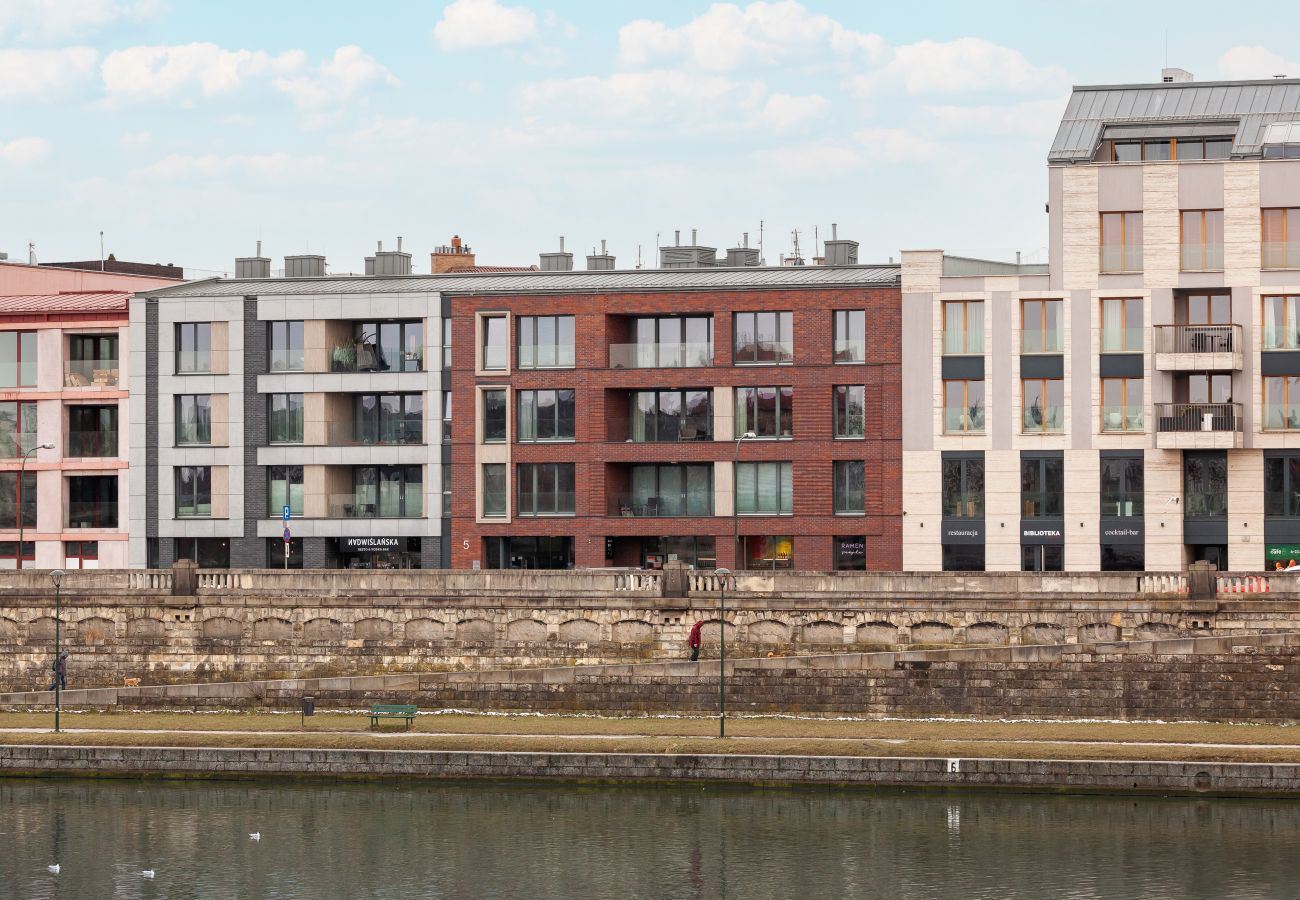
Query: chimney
[
  {"x": 305, "y": 265},
  {"x": 449, "y": 257},
  {"x": 743, "y": 255},
  {"x": 257, "y": 266},
  {"x": 392, "y": 262},
  {"x": 557, "y": 262},
  {"x": 691, "y": 256},
  {"x": 601, "y": 261},
  {"x": 1175, "y": 76},
  {"x": 838, "y": 252}
]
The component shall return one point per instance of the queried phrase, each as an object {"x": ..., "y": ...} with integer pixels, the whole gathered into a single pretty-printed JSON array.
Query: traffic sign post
[{"x": 287, "y": 513}]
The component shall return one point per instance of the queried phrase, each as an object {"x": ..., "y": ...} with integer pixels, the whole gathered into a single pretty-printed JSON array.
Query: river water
[{"x": 546, "y": 840}]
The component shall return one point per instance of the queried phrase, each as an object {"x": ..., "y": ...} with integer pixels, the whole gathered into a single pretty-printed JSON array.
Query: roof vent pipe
[
  {"x": 677, "y": 237},
  {"x": 259, "y": 248},
  {"x": 835, "y": 231},
  {"x": 399, "y": 243},
  {"x": 745, "y": 242},
  {"x": 694, "y": 240},
  {"x": 381, "y": 247}
]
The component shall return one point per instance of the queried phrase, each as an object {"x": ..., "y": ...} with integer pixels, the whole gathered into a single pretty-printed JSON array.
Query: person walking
[
  {"x": 696, "y": 639},
  {"x": 60, "y": 671}
]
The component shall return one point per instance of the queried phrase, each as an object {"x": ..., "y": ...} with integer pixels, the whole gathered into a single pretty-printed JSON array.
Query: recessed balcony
[
  {"x": 1198, "y": 348},
  {"x": 1199, "y": 426}
]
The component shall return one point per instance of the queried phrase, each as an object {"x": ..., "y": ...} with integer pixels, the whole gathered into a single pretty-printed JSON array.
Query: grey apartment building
[{"x": 1134, "y": 403}]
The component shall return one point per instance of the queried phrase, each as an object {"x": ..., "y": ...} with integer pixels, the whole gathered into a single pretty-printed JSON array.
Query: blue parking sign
[{"x": 286, "y": 513}]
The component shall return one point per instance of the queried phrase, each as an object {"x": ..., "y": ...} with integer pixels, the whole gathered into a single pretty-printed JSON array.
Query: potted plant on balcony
[{"x": 344, "y": 357}]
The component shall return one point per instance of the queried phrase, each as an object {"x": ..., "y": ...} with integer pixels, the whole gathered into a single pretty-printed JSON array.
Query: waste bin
[{"x": 309, "y": 706}]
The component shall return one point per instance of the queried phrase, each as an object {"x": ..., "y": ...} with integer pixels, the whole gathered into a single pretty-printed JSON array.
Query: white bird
[
  {"x": 147, "y": 873},
  {"x": 255, "y": 836},
  {"x": 54, "y": 868}
]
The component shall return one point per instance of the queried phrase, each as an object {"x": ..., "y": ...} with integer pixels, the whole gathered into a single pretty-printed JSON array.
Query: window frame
[
  {"x": 486, "y": 323},
  {"x": 967, "y": 499},
  {"x": 784, "y": 324},
  {"x": 1127, "y": 250},
  {"x": 840, "y": 405},
  {"x": 1042, "y": 498},
  {"x": 1102, "y": 304},
  {"x": 784, "y": 504},
  {"x": 965, "y": 407},
  {"x": 287, "y": 414},
  {"x": 1287, "y": 261},
  {"x": 276, "y": 510},
  {"x": 529, "y": 324},
  {"x": 966, "y": 333},
  {"x": 783, "y": 417},
  {"x": 177, "y": 403},
  {"x": 504, "y": 433},
  {"x": 533, "y": 470},
  {"x": 684, "y": 482},
  {"x": 635, "y": 411},
  {"x": 1205, "y": 242},
  {"x": 1024, "y": 429},
  {"x": 1125, "y": 492},
  {"x": 842, "y": 321},
  {"x": 21, "y": 337},
  {"x": 106, "y": 432},
  {"x": 1291, "y": 325},
  {"x": 1124, "y": 387},
  {"x": 24, "y": 484},
  {"x": 837, "y": 546},
  {"x": 504, "y": 492},
  {"x": 522, "y": 427},
  {"x": 1286, "y": 380},
  {"x": 841, "y": 485},
  {"x": 1042, "y": 326},
  {"x": 24, "y": 410},
  {"x": 193, "y": 328},
  {"x": 285, "y": 328},
  {"x": 195, "y": 493}
]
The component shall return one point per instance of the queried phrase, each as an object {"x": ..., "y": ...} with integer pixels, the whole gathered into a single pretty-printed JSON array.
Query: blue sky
[{"x": 187, "y": 130}]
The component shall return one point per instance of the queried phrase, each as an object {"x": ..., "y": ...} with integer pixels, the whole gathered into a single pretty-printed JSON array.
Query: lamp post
[
  {"x": 56, "y": 575},
  {"x": 722, "y": 651},
  {"x": 22, "y": 470}
]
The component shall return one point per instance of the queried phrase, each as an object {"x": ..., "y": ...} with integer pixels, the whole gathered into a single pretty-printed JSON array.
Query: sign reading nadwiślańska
[{"x": 370, "y": 544}]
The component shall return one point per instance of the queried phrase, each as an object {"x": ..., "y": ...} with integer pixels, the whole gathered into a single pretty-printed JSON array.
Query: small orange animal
[{"x": 131, "y": 682}]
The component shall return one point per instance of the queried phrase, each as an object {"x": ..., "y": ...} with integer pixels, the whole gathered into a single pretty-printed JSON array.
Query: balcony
[
  {"x": 1198, "y": 348},
  {"x": 368, "y": 505},
  {"x": 90, "y": 373},
  {"x": 386, "y": 434},
  {"x": 1198, "y": 426},
  {"x": 660, "y": 356},
  {"x": 95, "y": 444},
  {"x": 661, "y": 505},
  {"x": 92, "y": 514}
]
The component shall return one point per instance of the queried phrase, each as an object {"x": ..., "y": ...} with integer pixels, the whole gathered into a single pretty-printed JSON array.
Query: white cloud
[
  {"x": 265, "y": 166},
  {"x": 168, "y": 71},
  {"x": 1255, "y": 62},
  {"x": 966, "y": 64},
  {"x": 782, "y": 112},
  {"x": 646, "y": 96},
  {"x": 350, "y": 71},
  {"x": 1030, "y": 118},
  {"x": 46, "y": 20},
  {"x": 810, "y": 160},
  {"x": 24, "y": 151},
  {"x": 896, "y": 145},
  {"x": 475, "y": 24},
  {"x": 726, "y": 37},
  {"x": 136, "y": 139},
  {"x": 38, "y": 74}
]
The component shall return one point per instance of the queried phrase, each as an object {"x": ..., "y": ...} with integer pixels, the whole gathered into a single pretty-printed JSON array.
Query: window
[
  {"x": 1204, "y": 388},
  {"x": 1282, "y": 140},
  {"x": 193, "y": 491},
  {"x": 850, "y": 336},
  {"x": 545, "y": 342},
  {"x": 963, "y": 406},
  {"x": 284, "y": 488},
  {"x": 17, "y": 359},
  {"x": 387, "y": 419},
  {"x": 446, "y": 492},
  {"x": 1041, "y": 328},
  {"x": 81, "y": 554},
  {"x": 388, "y": 347},
  {"x": 495, "y": 342},
  {"x": 1202, "y": 240},
  {"x": 1123, "y": 557},
  {"x": 388, "y": 492},
  {"x": 764, "y": 338},
  {"x": 92, "y": 501},
  {"x": 851, "y": 553},
  {"x": 1205, "y": 485},
  {"x": 963, "y": 327},
  {"x": 9, "y": 554},
  {"x": 528, "y": 553},
  {"x": 1121, "y": 486},
  {"x": 546, "y": 415},
  {"x": 1281, "y": 238},
  {"x": 765, "y": 489},
  {"x": 963, "y": 557},
  {"x": 15, "y": 495},
  {"x": 1282, "y": 485},
  {"x": 194, "y": 419},
  {"x": 850, "y": 411},
  {"x": 446, "y": 343},
  {"x": 768, "y": 412},
  {"x": 850, "y": 487},
  {"x": 494, "y": 489},
  {"x": 669, "y": 490},
  {"x": 193, "y": 347},
  {"x": 207, "y": 553},
  {"x": 1163, "y": 149},
  {"x": 1281, "y": 323},
  {"x": 1203, "y": 309},
  {"x": 17, "y": 428},
  {"x": 1121, "y": 325},
  {"x": 767, "y": 552},
  {"x": 92, "y": 359},
  {"x": 286, "y": 346},
  {"x": 546, "y": 489},
  {"x": 92, "y": 431},
  {"x": 285, "y": 418},
  {"x": 668, "y": 343},
  {"x": 446, "y": 417},
  {"x": 494, "y": 416},
  {"x": 1121, "y": 242},
  {"x": 1042, "y": 487},
  {"x": 671, "y": 416},
  {"x": 1042, "y": 403},
  {"x": 1281, "y": 403},
  {"x": 1042, "y": 558},
  {"x": 963, "y": 487},
  {"x": 275, "y": 555},
  {"x": 1121, "y": 404}
]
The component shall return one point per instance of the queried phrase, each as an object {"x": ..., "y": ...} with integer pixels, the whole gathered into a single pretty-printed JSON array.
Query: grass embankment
[{"x": 1025, "y": 740}]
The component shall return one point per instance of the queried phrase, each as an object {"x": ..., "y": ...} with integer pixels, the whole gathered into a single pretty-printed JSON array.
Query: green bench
[{"x": 391, "y": 711}]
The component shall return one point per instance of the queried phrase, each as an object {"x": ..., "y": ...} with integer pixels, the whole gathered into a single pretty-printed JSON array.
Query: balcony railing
[
  {"x": 409, "y": 505},
  {"x": 1182, "y": 418},
  {"x": 667, "y": 430},
  {"x": 90, "y": 373},
  {"x": 1198, "y": 338},
  {"x": 660, "y": 356},
  {"x": 668, "y": 505},
  {"x": 87, "y": 514},
  {"x": 91, "y": 444},
  {"x": 13, "y": 444},
  {"x": 353, "y": 434}
]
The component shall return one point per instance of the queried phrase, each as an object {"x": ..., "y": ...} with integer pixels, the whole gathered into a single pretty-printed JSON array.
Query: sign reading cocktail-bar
[{"x": 369, "y": 544}]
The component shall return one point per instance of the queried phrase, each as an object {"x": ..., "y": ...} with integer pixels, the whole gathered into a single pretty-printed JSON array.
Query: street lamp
[
  {"x": 722, "y": 651},
  {"x": 56, "y": 575},
  {"x": 22, "y": 469}
]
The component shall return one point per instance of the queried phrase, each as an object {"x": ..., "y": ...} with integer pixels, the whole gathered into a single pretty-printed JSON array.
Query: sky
[{"x": 188, "y": 130}]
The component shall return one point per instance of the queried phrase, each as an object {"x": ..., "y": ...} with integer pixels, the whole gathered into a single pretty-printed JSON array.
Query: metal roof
[
  {"x": 550, "y": 282},
  {"x": 72, "y": 302},
  {"x": 1243, "y": 107}
]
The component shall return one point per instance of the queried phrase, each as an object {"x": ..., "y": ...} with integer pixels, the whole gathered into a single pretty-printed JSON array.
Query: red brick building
[{"x": 597, "y": 416}]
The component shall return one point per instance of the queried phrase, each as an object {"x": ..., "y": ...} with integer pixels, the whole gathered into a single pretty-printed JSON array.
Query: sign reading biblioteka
[{"x": 370, "y": 544}]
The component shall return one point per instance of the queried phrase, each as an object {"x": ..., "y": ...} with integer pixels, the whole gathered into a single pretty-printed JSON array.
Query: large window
[
  {"x": 1042, "y": 404},
  {"x": 284, "y": 488},
  {"x": 193, "y": 419},
  {"x": 850, "y": 410},
  {"x": 92, "y": 431},
  {"x": 765, "y": 488},
  {"x": 193, "y": 491},
  {"x": 388, "y": 492},
  {"x": 850, "y": 487},
  {"x": 92, "y": 360},
  {"x": 1123, "y": 557},
  {"x": 494, "y": 489},
  {"x": 1121, "y": 404},
  {"x": 1282, "y": 485},
  {"x": 1121, "y": 486},
  {"x": 1163, "y": 149},
  {"x": 1203, "y": 308},
  {"x": 15, "y": 494},
  {"x": 81, "y": 554},
  {"x": 92, "y": 501},
  {"x": 546, "y": 415},
  {"x": 774, "y": 552},
  {"x": 546, "y": 489},
  {"x": 767, "y": 412},
  {"x": 496, "y": 342},
  {"x": 446, "y": 417},
  {"x": 17, "y": 428},
  {"x": 389, "y": 347},
  {"x": 1281, "y": 402},
  {"x": 963, "y": 327},
  {"x": 1281, "y": 238},
  {"x": 1201, "y": 245},
  {"x": 850, "y": 553},
  {"x": 1121, "y": 242},
  {"x": 494, "y": 416},
  {"x": 207, "y": 553},
  {"x": 388, "y": 419},
  {"x": 1042, "y": 326},
  {"x": 1042, "y": 558},
  {"x": 1205, "y": 485},
  {"x": 1281, "y": 323},
  {"x": 764, "y": 338},
  {"x": 670, "y": 490},
  {"x": 850, "y": 336},
  {"x": 193, "y": 347},
  {"x": 285, "y": 418},
  {"x": 962, "y": 484},
  {"x": 285, "y": 346},
  {"x": 671, "y": 415},
  {"x": 545, "y": 342},
  {"x": 1042, "y": 487},
  {"x": 963, "y": 406},
  {"x": 1121, "y": 325},
  {"x": 17, "y": 359}
]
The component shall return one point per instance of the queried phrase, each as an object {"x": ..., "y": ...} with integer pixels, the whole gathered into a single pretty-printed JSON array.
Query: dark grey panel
[
  {"x": 445, "y": 542},
  {"x": 249, "y": 551},
  {"x": 1279, "y": 530},
  {"x": 1123, "y": 530},
  {"x": 1120, "y": 365},
  {"x": 1042, "y": 531},
  {"x": 151, "y": 420},
  {"x": 1280, "y": 362},
  {"x": 1036, "y": 366},
  {"x": 1205, "y": 531},
  {"x": 962, "y": 531},
  {"x": 965, "y": 367},
  {"x": 963, "y": 454},
  {"x": 1042, "y": 454}
]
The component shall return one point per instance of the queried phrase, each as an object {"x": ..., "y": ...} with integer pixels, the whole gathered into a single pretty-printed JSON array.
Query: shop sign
[
  {"x": 1129, "y": 530},
  {"x": 963, "y": 531},
  {"x": 1038, "y": 531},
  {"x": 1282, "y": 553},
  {"x": 369, "y": 544}
]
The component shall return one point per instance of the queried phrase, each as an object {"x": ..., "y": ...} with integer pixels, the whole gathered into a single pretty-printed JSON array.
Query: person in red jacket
[{"x": 695, "y": 639}]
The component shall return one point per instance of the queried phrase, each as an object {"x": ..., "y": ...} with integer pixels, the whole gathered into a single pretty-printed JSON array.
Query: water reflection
[{"x": 510, "y": 840}]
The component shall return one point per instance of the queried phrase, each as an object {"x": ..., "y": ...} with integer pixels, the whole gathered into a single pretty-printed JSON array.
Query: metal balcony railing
[
  {"x": 1197, "y": 338},
  {"x": 1190, "y": 417}
]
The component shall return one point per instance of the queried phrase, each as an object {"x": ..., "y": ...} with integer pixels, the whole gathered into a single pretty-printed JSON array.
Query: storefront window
[
  {"x": 768, "y": 551},
  {"x": 851, "y": 553}
]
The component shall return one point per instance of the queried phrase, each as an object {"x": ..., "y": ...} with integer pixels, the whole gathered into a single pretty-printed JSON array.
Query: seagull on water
[
  {"x": 54, "y": 868},
  {"x": 255, "y": 836},
  {"x": 147, "y": 873}
]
